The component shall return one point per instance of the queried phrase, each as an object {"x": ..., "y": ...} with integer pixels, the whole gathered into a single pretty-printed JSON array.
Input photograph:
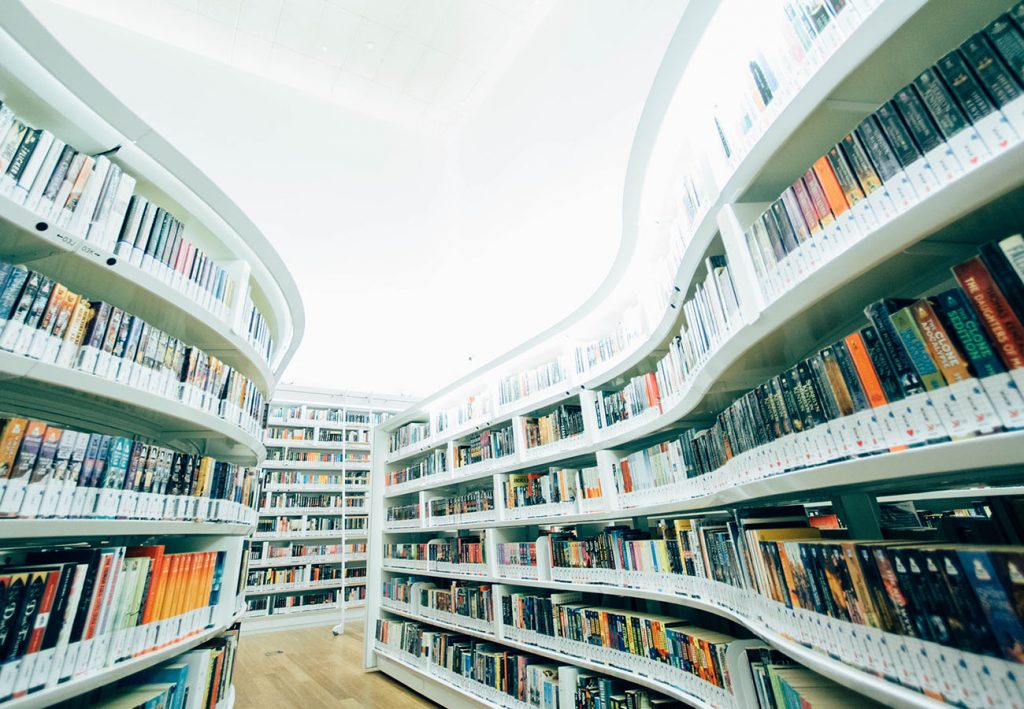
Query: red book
[
  {"x": 627, "y": 479},
  {"x": 102, "y": 577},
  {"x": 994, "y": 311},
  {"x": 35, "y": 640}
]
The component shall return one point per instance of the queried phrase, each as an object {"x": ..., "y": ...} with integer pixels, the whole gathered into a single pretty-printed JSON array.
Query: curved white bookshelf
[
  {"x": 48, "y": 84},
  {"x": 69, "y": 529},
  {"x": 83, "y": 267},
  {"x": 886, "y": 51},
  {"x": 48, "y": 88},
  {"x": 74, "y": 397},
  {"x": 75, "y": 687}
]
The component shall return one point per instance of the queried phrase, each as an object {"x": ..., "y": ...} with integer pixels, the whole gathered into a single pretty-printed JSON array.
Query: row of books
[
  {"x": 435, "y": 462},
  {"x": 290, "y": 551},
  {"x": 300, "y": 456},
  {"x": 472, "y": 664},
  {"x": 952, "y": 594},
  {"x": 93, "y": 198},
  {"x": 399, "y": 589},
  {"x": 952, "y": 118},
  {"x": 407, "y": 435},
  {"x": 591, "y": 355},
  {"x": 300, "y": 477},
  {"x": 404, "y": 513},
  {"x": 522, "y": 384},
  {"x": 666, "y": 639},
  {"x": 484, "y": 445},
  {"x": 257, "y": 330},
  {"x": 640, "y": 395},
  {"x": 523, "y": 554},
  {"x": 470, "y": 408},
  {"x": 152, "y": 238},
  {"x": 53, "y": 471},
  {"x": 281, "y": 433},
  {"x": 326, "y": 414},
  {"x": 197, "y": 679},
  {"x": 74, "y": 612},
  {"x": 711, "y": 315},
  {"x": 355, "y": 595},
  {"x": 306, "y": 523},
  {"x": 456, "y": 550},
  {"x": 466, "y": 503},
  {"x": 780, "y": 683},
  {"x": 281, "y": 604},
  {"x": 275, "y": 576},
  {"x": 541, "y": 488},
  {"x": 459, "y": 598},
  {"x": 355, "y": 572},
  {"x": 922, "y": 371},
  {"x": 566, "y": 421},
  {"x": 335, "y": 436},
  {"x": 43, "y": 320},
  {"x": 796, "y": 40},
  {"x": 277, "y": 500}
]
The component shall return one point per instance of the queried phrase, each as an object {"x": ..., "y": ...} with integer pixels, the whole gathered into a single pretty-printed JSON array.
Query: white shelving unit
[
  {"x": 884, "y": 49},
  {"x": 304, "y": 426},
  {"x": 46, "y": 86}
]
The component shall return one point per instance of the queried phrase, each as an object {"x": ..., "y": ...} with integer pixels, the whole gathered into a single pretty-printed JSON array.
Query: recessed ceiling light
[
  {"x": 323, "y": 49},
  {"x": 369, "y": 45}
]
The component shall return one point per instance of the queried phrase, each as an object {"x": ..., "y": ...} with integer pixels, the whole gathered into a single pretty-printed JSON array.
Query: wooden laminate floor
[{"x": 310, "y": 668}]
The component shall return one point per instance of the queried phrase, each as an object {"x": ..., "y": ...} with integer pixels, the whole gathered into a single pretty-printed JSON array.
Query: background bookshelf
[
  {"x": 307, "y": 562},
  {"x": 634, "y": 476},
  {"x": 134, "y": 375}
]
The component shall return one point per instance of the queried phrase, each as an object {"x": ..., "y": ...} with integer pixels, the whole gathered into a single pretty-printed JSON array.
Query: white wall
[{"x": 415, "y": 254}]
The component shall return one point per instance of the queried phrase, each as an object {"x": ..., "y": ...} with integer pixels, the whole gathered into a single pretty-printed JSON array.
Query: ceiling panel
[{"x": 402, "y": 60}]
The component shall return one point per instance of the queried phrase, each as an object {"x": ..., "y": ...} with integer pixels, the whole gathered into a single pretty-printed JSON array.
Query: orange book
[
  {"x": 865, "y": 370},
  {"x": 829, "y": 183},
  {"x": 788, "y": 573},
  {"x": 949, "y": 360},
  {"x": 170, "y": 586},
  {"x": 156, "y": 556},
  {"x": 627, "y": 479},
  {"x": 10, "y": 442}
]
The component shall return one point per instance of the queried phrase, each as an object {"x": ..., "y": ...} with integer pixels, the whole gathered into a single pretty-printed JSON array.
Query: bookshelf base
[{"x": 433, "y": 688}]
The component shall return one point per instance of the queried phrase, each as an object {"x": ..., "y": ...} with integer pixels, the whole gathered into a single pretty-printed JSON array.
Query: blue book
[{"x": 996, "y": 602}]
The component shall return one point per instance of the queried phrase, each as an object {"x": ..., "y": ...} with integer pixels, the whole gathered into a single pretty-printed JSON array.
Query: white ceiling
[
  {"x": 424, "y": 63},
  {"x": 419, "y": 256}
]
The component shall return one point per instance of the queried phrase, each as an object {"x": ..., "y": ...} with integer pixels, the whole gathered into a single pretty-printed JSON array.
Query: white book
[
  {"x": 82, "y": 216},
  {"x": 56, "y": 214},
  {"x": 40, "y": 154},
  {"x": 1013, "y": 249},
  {"x": 45, "y": 172},
  {"x": 118, "y": 207}
]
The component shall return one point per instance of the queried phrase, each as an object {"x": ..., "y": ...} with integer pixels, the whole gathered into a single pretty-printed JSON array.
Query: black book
[
  {"x": 1005, "y": 276},
  {"x": 826, "y": 396},
  {"x": 60, "y": 603},
  {"x": 857, "y": 157},
  {"x": 34, "y": 589},
  {"x": 913, "y": 596},
  {"x": 922, "y": 127},
  {"x": 990, "y": 69},
  {"x": 808, "y": 397},
  {"x": 58, "y": 174},
  {"x": 12, "y": 604},
  {"x": 879, "y": 314},
  {"x": 1009, "y": 42},
  {"x": 786, "y": 415},
  {"x": 778, "y": 217},
  {"x": 844, "y": 175},
  {"x": 161, "y": 237},
  {"x": 850, "y": 377},
  {"x": 937, "y": 98},
  {"x": 896, "y": 131},
  {"x": 965, "y": 617},
  {"x": 883, "y": 364},
  {"x": 877, "y": 148},
  {"x": 964, "y": 87},
  {"x": 23, "y": 153},
  {"x": 152, "y": 235},
  {"x": 786, "y": 383}
]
